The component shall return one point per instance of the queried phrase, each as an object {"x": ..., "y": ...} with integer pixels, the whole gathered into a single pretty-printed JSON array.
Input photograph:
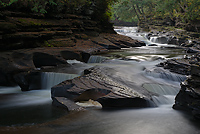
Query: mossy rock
[
  {"x": 30, "y": 22},
  {"x": 8, "y": 27},
  {"x": 59, "y": 43},
  {"x": 82, "y": 36}
]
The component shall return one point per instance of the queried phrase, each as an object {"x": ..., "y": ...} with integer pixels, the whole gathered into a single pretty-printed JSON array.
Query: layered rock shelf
[
  {"x": 19, "y": 30},
  {"x": 31, "y": 44},
  {"x": 188, "y": 98},
  {"x": 99, "y": 86},
  {"x": 28, "y": 60},
  {"x": 48, "y": 42}
]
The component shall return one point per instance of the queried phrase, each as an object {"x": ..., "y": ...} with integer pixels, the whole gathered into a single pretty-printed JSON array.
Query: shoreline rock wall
[
  {"x": 188, "y": 98},
  {"x": 31, "y": 41},
  {"x": 19, "y": 30}
]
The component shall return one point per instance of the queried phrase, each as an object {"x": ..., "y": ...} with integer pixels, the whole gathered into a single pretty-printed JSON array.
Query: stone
[
  {"x": 66, "y": 103},
  {"x": 71, "y": 55},
  {"x": 28, "y": 80},
  {"x": 98, "y": 86},
  {"x": 4, "y": 79},
  {"x": 24, "y": 60},
  {"x": 44, "y": 59},
  {"x": 116, "y": 101},
  {"x": 180, "y": 66},
  {"x": 12, "y": 63},
  {"x": 152, "y": 45},
  {"x": 195, "y": 70},
  {"x": 188, "y": 99},
  {"x": 173, "y": 40},
  {"x": 192, "y": 50},
  {"x": 85, "y": 56}
]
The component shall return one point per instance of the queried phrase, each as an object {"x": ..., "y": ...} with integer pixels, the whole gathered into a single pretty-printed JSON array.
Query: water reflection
[{"x": 26, "y": 108}]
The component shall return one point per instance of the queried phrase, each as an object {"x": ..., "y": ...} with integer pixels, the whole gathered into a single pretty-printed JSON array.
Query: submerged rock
[{"x": 107, "y": 90}]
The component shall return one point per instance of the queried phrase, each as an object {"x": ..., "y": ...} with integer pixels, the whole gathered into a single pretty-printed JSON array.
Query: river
[{"x": 22, "y": 112}]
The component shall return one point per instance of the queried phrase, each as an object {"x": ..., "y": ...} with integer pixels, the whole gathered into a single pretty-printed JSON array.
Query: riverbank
[
  {"x": 131, "y": 76},
  {"x": 179, "y": 36},
  {"x": 30, "y": 41},
  {"x": 188, "y": 98},
  {"x": 48, "y": 44}
]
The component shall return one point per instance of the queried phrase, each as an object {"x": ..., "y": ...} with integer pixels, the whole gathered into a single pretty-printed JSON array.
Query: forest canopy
[
  {"x": 126, "y": 10},
  {"x": 173, "y": 12},
  {"x": 96, "y": 9},
  {"x": 59, "y": 6},
  {"x": 177, "y": 11}
]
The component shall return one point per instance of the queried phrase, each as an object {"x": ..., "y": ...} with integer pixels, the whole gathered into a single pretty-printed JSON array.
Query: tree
[{"x": 182, "y": 11}]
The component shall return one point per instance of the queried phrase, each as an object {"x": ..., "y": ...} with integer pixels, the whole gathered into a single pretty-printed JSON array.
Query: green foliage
[
  {"x": 44, "y": 6},
  {"x": 47, "y": 44},
  {"x": 184, "y": 11},
  {"x": 6, "y": 2}
]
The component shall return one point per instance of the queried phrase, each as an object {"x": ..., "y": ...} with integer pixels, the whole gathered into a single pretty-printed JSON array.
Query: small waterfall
[
  {"x": 50, "y": 79},
  {"x": 96, "y": 59},
  {"x": 126, "y": 29},
  {"x": 161, "y": 89},
  {"x": 161, "y": 100},
  {"x": 166, "y": 93},
  {"x": 153, "y": 39},
  {"x": 161, "y": 40},
  {"x": 158, "y": 73}
]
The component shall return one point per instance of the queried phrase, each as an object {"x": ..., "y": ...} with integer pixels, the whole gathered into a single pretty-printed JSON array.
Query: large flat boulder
[{"x": 97, "y": 85}]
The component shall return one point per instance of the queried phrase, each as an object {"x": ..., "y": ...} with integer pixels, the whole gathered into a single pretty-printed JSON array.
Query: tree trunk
[
  {"x": 138, "y": 9},
  {"x": 145, "y": 18},
  {"x": 138, "y": 16}
]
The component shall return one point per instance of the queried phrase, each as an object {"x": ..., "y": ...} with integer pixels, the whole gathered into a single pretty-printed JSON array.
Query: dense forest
[
  {"x": 95, "y": 8},
  {"x": 47, "y": 6},
  {"x": 180, "y": 13},
  {"x": 174, "y": 12}
]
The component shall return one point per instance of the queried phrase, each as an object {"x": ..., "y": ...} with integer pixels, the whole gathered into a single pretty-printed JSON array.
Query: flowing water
[
  {"x": 19, "y": 108},
  {"x": 133, "y": 67}
]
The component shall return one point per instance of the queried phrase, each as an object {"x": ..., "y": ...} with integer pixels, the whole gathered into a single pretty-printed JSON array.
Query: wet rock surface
[
  {"x": 29, "y": 31},
  {"x": 49, "y": 42},
  {"x": 177, "y": 37},
  {"x": 98, "y": 85},
  {"x": 54, "y": 58},
  {"x": 180, "y": 66},
  {"x": 188, "y": 97}
]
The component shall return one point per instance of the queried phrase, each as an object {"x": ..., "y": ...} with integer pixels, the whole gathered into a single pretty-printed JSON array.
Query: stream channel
[{"x": 136, "y": 66}]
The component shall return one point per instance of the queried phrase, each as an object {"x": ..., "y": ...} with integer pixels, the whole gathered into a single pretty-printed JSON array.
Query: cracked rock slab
[{"x": 99, "y": 86}]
